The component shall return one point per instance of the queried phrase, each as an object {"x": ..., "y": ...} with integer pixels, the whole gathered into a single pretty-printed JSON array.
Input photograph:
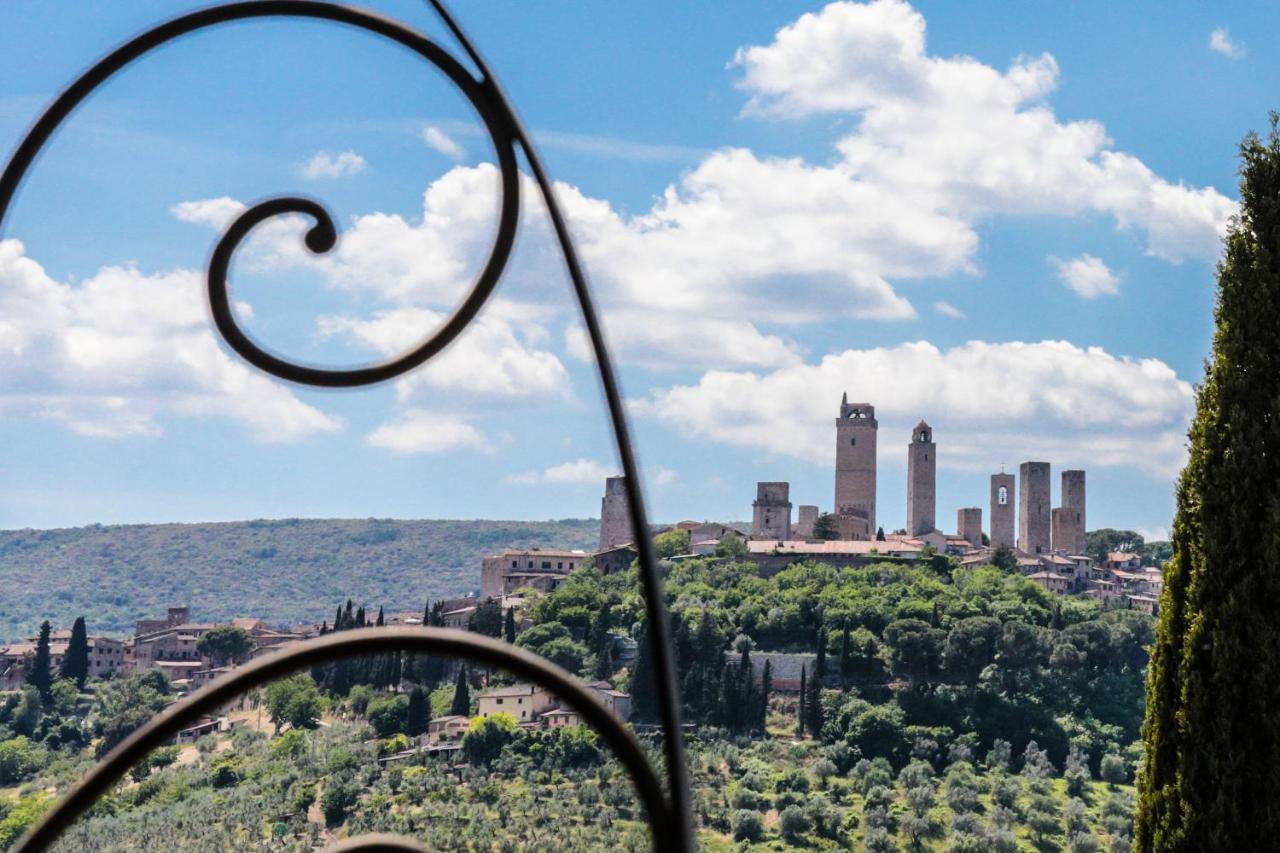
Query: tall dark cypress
[
  {"x": 766, "y": 687},
  {"x": 416, "y": 718},
  {"x": 461, "y": 695},
  {"x": 813, "y": 714},
  {"x": 39, "y": 675},
  {"x": 75, "y": 663},
  {"x": 800, "y": 715},
  {"x": 845, "y": 662},
  {"x": 509, "y": 626},
  {"x": 1212, "y": 729}
]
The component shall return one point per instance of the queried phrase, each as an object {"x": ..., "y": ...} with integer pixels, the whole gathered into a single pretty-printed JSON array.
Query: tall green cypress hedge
[{"x": 1211, "y": 775}]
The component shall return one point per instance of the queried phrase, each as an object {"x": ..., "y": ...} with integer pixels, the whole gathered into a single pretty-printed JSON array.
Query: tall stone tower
[
  {"x": 1033, "y": 508},
  {"x": 771, "y": 511},
  {"x": 804, "y": 523},
  {"x": 922, "y": 470},
  {"x": 615, "y": 515},
  {"x": 1003, "y": 492},
  {"x": 1073, "y": 502},
  {"x": 856, "y": 469},
  {"x": 969, "y": 525}
]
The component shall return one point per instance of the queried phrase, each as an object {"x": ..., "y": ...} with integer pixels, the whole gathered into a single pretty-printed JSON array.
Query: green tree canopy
[
  {"x": 1212, "y": 733},
  {"x": 224, "y": 644}
]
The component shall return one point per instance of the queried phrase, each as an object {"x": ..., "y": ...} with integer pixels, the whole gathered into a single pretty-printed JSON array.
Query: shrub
[{"x": 747, "y": 826}]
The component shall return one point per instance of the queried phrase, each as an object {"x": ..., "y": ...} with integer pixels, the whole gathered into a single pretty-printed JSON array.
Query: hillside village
[{"x": 1048, "y": 549}]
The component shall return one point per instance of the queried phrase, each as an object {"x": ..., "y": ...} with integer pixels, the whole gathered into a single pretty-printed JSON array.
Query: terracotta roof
[
  {"x": 542, "y": 552},
  {"x": 513, "y": 690},
  {"x": 860, "y": 547}
]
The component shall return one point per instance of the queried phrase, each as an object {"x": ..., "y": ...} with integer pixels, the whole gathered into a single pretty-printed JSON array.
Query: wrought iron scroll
[{"x": 667, "y": 811}]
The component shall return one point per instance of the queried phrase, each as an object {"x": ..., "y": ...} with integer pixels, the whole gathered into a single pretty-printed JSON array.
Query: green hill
[{"x": 285, "y": 571}]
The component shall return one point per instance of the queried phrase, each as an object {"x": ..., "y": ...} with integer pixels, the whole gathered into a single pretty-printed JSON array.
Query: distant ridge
[{"x": 284, "y": 571}]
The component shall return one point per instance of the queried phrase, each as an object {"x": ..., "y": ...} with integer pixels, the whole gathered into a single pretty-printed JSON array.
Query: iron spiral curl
[{"x": 668, "y": 811}]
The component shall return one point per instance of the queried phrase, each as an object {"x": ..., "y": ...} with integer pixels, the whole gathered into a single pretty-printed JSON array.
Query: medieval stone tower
[
  {"x": 856, "y": 469},
  {"x": 969, "y": 525},
  {"x": 615, "y": 515},
  {"x": 807, "y": 518},
  {"x": 1033, "y": 508},
  {"x": 922, "y": 468},
  {"x": 1073, "y": 539},
  {"x": 771, "y": 511},
  {"x": 1003, "y": 490}
]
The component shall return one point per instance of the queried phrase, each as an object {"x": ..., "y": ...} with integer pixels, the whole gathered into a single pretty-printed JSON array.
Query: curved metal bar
[
  {"x": 354, "y": 643},
  {"x": 654, "y": 597},
  {"x": 478, "y": 95},
  {"x": 506, "y": 130}
]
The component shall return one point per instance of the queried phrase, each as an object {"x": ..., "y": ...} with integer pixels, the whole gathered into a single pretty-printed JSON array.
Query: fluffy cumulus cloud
[
  {"x": 963, "y": 139},
  {"x": 424, "y": 431},
  {"x": 494, "y": 358},
  {"x": 117, "y": 353},
  {"x": 579, "y": 472},
  {"x": 1087, "y": 276},
  {"x": 325, "y": 165},
  {"x": 1050, "y": 399},
  {"x": 439, "y": 141},
  {"x": 1220, "y": 41}
]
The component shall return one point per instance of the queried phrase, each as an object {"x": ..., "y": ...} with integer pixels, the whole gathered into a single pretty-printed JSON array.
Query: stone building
[
  {"x": 771, "y": 511},
  {"x": 615, "y": 515},
  {"x": 969, "y": 525},
  {"x": 1003, "y": 491},
  {"x": 540, "y": 568},
  {"x": 805, "y": 522},
  {"x": 922, "y": 474},
  {"x": 1034, "y": 533},
  {"x": 855, "y": 504},
  {"x": 1073, "y": 522}
]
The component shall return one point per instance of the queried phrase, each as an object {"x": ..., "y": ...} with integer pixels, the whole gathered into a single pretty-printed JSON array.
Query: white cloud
[
  {"x": 963, "y": 139},
  {"x": 578, "y": 472},
  {"x": 325, "y": 165},
  {"x": 440, "y": 141},
  {"x": 122, "y": 350},
  {"x": 494, "y": 357},
  {"x": 1220, "y": 41},
  {"x": 1087, "y": 276},
  {"x": 423, "y": 431},
  {"x": 743, "y": 249},
  {"x": 665, "y": 477},
  {"x": 1050, "y": 399},
  {"x": 946, "y": 309}
]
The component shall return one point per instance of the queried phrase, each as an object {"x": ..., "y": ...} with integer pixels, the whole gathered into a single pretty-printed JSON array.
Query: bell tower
[
  {"x": 922, "y": 468},
  {"x": 855, "y": 505}
]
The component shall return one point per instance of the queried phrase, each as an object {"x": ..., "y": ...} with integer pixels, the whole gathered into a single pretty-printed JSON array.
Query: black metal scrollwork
[{"x": 667, "y": 811}]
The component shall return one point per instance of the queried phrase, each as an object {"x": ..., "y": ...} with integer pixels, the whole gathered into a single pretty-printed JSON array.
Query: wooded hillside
[{"x": 284, "y": 571}]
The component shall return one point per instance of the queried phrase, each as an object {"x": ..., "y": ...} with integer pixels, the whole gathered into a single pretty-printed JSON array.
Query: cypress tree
[
  {"x": 800, "y": 715},
  {"x": 416, "y": 722},
  {"x": 820, "y": 665},
  {"x": 461, "y": 695},
  {"x": 39, "y": 675},
  {"x": 644, "y": 702},
  {"x": 1212, "y": 731},
  {"x": 75, "y": 663},
  {"x": 379, "y": 622},
  {"x": 766, "y": 687},
  {"x": 813, "y": 716},
  {"x": 845, "y": 661},
  {"x": 509, "y": 627}
]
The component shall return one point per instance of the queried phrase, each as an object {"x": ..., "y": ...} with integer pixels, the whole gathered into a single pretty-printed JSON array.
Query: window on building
[
  {"x": 546, "y": 564},
  {"x": 560, "y": 564},
  {"x": 531, "y": 564},
  {"x": 514, "y": 564},
  {"x": 852, "y": 442},
  {"x": 1002, "y": 496}
]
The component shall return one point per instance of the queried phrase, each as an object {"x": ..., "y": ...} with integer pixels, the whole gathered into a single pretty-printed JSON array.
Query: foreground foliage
[{"x": 1212, "y": 732}]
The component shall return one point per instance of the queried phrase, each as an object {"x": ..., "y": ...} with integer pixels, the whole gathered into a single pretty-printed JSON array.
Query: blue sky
[{"x": 1000, "y": 218}]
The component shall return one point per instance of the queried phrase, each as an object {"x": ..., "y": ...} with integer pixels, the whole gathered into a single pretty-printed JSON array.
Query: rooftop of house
[
  {"x": 543, "y": 552},
  {"x": 1046, "y": 576},
  {"x": 859, "y": 547},
  {"x": 1122, "y": 556},
  {"x": 513, "y": 690}
]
